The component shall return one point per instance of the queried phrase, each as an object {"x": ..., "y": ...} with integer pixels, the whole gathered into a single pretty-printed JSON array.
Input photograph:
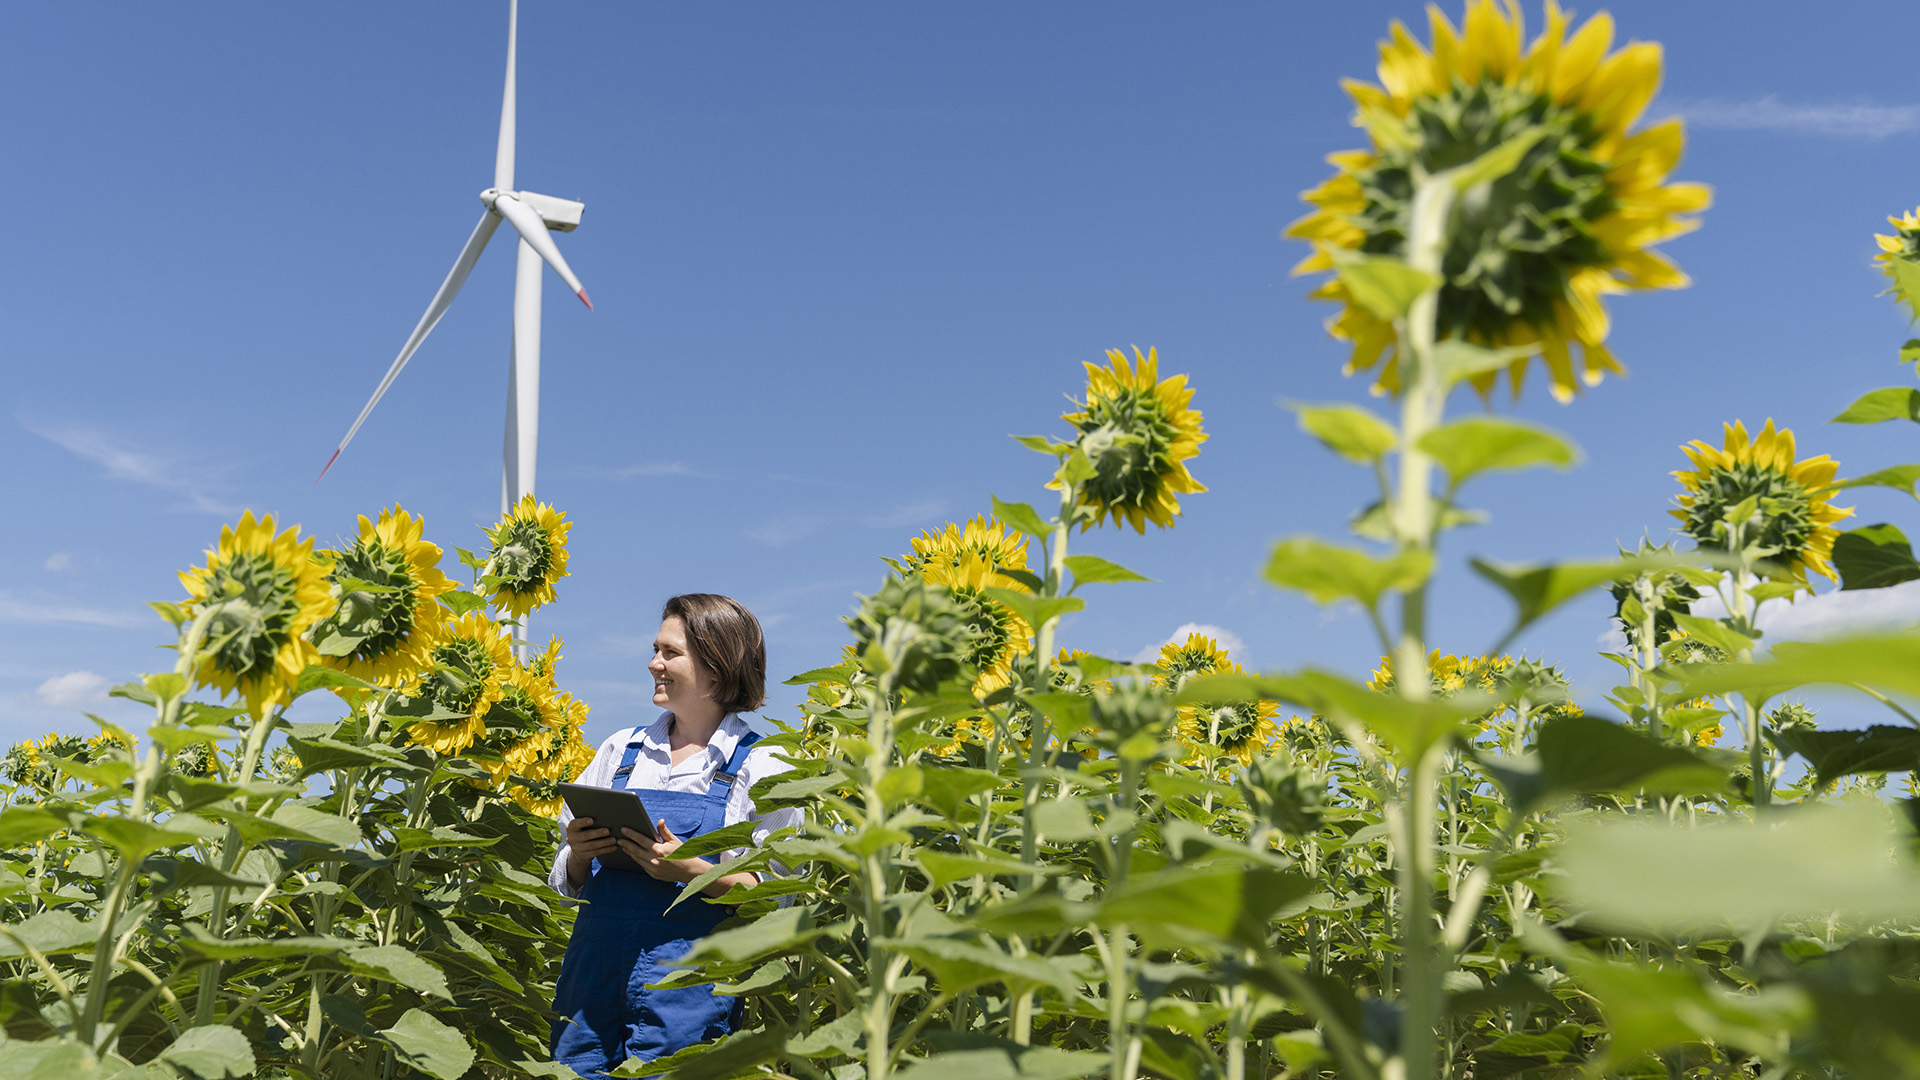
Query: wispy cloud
[
  {"x": 58, "y": 561},
  {"x": 1226, "y": 639},
  {"x": 199, "y": 485},
  {"x": 899, "y": 517},
  {"x": 1811, "y": 618},
  {"x": 1769, "y": 113},
  {"x": 56, "y": 613},
  {"x": 783, "y": 531},
  {"x": 74, "y": 690}
]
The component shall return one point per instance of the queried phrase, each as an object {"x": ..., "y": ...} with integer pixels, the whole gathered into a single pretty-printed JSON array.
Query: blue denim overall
[{"x": 626, "y": 938}]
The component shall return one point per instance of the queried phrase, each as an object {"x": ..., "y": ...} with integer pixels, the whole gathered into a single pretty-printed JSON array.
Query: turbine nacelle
[{"x": 560, "y": 215}]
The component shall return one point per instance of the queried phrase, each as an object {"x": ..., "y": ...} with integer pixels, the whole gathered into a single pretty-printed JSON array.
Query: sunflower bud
[
  {"x": 1283, "y": 795},
  {"x": 912, "y": 635}
]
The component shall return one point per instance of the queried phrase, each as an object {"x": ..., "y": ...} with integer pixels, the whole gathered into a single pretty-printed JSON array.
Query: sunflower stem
[{"x": 1414, "y": 515}]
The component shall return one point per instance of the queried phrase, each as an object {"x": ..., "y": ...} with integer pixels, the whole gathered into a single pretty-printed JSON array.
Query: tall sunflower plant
[{"x": 239, "y": 893}]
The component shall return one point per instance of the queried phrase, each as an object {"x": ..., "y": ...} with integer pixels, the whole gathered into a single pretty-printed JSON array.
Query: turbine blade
[
  {"x": 526, "y": 220},
  {"x": 449, "y": 289},
  {"x": 503, "y": 156}
]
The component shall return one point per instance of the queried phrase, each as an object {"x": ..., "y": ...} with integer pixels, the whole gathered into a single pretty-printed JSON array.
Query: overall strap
[
  {"x": 716, "y": 810},
  {"x": 625, "y": 770}
]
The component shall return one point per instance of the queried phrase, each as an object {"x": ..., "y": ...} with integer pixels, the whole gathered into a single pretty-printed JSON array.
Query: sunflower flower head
[
  {"x": 1899, "y": 258},
  {"x": 967, "y": 560},
  {"x": 1790, "y": 520},
  {"x": 1663, "y": 592},
  {"x": 523, "y": 725},
  {"x": 470, "y": 666},
  {"x": 1179, "y": 661},
  {"x": 386, "y": 620},
  {"x": 263, "y": 589},
  {"x": 1137, "y": 432},
  {"x": 1528, "y": 256},
  {"x": 528, "y": 554},
  {"x": 1238, "y": 729}
]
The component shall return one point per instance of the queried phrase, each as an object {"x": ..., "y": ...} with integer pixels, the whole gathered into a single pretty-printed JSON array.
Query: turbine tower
[{"x": 531, "y": 215}]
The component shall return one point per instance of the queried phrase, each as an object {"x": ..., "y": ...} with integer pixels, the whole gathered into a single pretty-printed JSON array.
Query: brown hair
[{"x": 726, "y": 638}]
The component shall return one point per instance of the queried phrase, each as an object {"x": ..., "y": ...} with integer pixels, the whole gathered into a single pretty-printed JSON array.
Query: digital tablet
[{"x": 611, "y": 808}]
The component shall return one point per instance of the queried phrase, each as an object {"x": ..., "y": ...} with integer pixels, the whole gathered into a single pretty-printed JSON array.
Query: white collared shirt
[{"x": 653, "y": 767}]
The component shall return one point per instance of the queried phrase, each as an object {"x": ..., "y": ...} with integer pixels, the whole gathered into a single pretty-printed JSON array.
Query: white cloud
[
  {"x": 1830, "y": 614},
  {"x": 1226, "y": 638},
  {"x": 786, "y": 530},
  {"x": 196, "y": 483},
  {"x": 1855, "y": 121},
  {"x": 74, "y": 690},
  {"x": 15, "y": 610},
  {"x": 899, "y": 517},
  {"x": 58, "y": 561}
]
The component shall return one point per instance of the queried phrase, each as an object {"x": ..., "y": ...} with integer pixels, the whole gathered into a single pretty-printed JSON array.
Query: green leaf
[
  {"x": 1408, "y": 728},
  {"x": 1008, "y": 1062},
  {"x": 1348, "y": 430},
  {"x": 1713, "y": 632},
  {"x": 318, "y": 825},
  {"x": 23, "y": 825},
  {"x": 1897, "y": 477},
  {"x": 461, "y": 602},
  {"x": 49, "y": 933},
  {"x": 1843, "y": 860},
  {"x": 1538, "y": 589},
  {"x": 1036, "y": 610},
  {"x": 430, "y": 1046},
  {"x": 198, "y": 940},
  {"x": 1328, "y": 573},
  {"x": 1382, "y": 284},
  {"x": 778, "y": 931},
  {"x": 316, "y": 676},
  {"x": 944, "y": 869},
  {"x": 1495, "y": 163},
  {"x": 440, "y": 836},
  {"x": 1874, "y": 557},
  {"x": 1094, "y": 570},
  {"x": 1067, "y": 714},
  {"x": 732, "y": 1055},
  {"x": 1212, "y": 905},
  {"x": 1025, "y": 577},
  {"x": 958, "y": 965},
  {"x": 1910, "y": 352},
  {"x": 1076, "y": 468},
  {"x": 1022, "y": 517},
  {"x": 212, "y": 1052},
  {"x": 1890, "y": 662},
  {"x": 1886, "y": 403},
  {"x": 1459, "y": 360},
  {"x": 468, "y": 558},
  {"x": 1478, "y": 443},
  {"x": 326, "y": 754},
  {"x": 1042, "y": 444},
  {"x": 739, "y": 834},
  {"x": 1589, "y": 755},
  {"x": 1653, "y": 1008},
  {"x": 396, "y": 963},
  {"x": 945, "y": 788},
  {"x": 1833, "y": 754},
  {"x": 134, "y": 838}
]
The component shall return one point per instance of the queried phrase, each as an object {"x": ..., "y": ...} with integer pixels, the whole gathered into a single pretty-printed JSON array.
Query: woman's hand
[
  {"x": 585, "y": 843},
  {"x": 653, "y": 855}
]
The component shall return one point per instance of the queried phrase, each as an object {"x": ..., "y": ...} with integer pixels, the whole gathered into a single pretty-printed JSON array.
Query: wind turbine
[{"x": 531, "y": 215}]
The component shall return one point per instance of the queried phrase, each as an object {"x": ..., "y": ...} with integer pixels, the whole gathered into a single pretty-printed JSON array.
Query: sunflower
[
  {"x": 264, "y": 590},
  {"x": 523, "y": 725},
  {"x": 1069, "y": 674},
  {"x": 1793, "y": 525},
  {"x": 1240, "y": 729},
  {"x": 966, "y": 560},
  {"x": 469, "y": 666},
  {"x": 1181, "y": 660},
  {"x": 1899, "y": 257},
  {"x": 1529, "y": 257},
  {"x": 385, "y": 621},
  {"x": 1137, "y": 432},
  {"x": 529, "y": 554}
]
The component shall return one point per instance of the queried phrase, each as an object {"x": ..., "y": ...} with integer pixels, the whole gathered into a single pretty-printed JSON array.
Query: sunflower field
[{"x": 1022, "y": 861}]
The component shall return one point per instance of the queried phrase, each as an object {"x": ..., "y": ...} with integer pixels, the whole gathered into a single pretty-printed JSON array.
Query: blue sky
[{"x": 838, "y": 253}]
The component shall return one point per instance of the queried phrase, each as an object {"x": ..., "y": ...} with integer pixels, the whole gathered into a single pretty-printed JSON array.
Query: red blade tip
[
  {"x": 584, "y": 300},
  {"x": 330, "y": 461}
]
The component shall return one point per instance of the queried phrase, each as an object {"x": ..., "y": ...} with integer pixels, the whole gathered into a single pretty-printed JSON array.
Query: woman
[{"x": 693, "y": 768}]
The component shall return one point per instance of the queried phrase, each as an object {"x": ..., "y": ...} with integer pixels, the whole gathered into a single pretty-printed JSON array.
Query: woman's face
[{"x": 679, "y": 678}]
